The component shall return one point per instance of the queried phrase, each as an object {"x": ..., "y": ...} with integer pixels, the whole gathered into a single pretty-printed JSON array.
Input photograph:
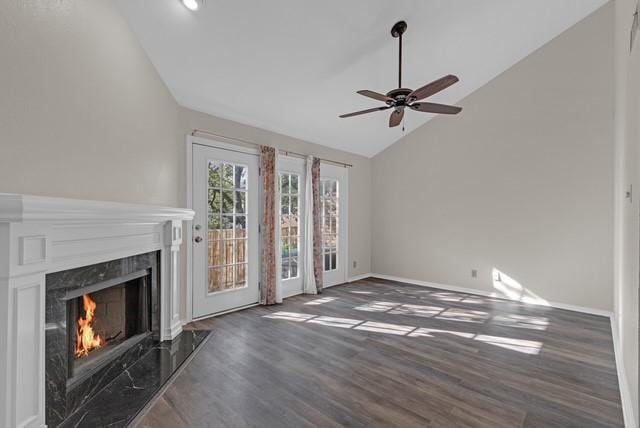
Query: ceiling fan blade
[
  {"x": 435, "y": 108},
  {"x": 396, "y": 117},
  {"x": 432, "y": 88},
  {"x": 376, "y": 96},
  {"x": 369, "y": 110}
]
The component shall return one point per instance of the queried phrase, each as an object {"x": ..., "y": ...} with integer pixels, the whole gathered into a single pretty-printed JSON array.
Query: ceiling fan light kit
[{"x": 400, "y": 98}]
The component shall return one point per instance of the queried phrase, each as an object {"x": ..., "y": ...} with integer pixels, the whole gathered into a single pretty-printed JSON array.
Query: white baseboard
[
  {"x": 359, "y": 277},
  {"x": 484, "y": 293},
  {"x": 625, "y": 392}
]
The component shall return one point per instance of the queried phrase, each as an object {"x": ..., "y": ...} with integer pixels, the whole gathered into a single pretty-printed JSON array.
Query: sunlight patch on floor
[
  {"x": 321, "y": 301},
  {"x": 529, "y": 347}
]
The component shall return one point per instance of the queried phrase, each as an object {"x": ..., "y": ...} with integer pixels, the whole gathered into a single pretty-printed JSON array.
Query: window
[
  {"x": 289, "y": 224},
  {"x": 227, "y": 231},
  {"x": 329, "y": 204}
]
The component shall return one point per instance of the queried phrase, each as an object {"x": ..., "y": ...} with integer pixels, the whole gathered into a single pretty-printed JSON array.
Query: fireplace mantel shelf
[
  {"x": 43, "y": 235},
  {"x": 16, "y": 208}
]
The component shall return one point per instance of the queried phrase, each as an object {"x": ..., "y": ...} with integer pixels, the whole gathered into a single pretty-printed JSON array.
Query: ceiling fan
[{"x": 399, "y": 99}]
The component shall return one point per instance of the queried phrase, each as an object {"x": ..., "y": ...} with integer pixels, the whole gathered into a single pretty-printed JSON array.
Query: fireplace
[
  {"x": 111, "y": 317},
  {"x": 100, "y": 320}
]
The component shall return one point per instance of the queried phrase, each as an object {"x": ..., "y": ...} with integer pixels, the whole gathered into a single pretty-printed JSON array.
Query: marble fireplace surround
[{"x": 41, "y": 236}]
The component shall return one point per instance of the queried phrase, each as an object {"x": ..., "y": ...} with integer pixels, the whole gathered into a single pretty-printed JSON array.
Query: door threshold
[{"x": 228, "y": 311}]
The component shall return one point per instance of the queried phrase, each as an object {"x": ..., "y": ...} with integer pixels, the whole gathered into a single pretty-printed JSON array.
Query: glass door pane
[
  {"x": 290, "y": 224},
  {"x": 227, "y": 226},
  {"x": 330, "y": 220}
]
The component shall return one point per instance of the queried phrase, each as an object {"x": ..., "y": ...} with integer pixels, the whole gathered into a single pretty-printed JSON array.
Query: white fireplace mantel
[{"x": 41, "y": 235}]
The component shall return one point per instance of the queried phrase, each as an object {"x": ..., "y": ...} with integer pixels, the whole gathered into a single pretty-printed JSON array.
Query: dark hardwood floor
[{"x": 380, "y": 353}]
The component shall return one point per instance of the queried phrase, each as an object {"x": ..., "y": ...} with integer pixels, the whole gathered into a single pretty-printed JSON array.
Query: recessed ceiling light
[{"x": 190, "y": 4}]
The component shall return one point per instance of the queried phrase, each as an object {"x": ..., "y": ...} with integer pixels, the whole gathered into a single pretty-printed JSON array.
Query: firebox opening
[{"x": 106, "y": 320}]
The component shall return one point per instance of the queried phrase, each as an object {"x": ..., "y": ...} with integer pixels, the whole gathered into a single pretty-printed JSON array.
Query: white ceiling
[{"x": 292, "y": 66}]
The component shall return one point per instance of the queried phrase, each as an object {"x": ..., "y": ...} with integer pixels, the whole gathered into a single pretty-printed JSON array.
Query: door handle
[{"x": 198, "y": 239}]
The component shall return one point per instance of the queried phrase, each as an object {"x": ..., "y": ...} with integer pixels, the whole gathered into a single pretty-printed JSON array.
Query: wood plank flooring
[{"x": 378, "y": 353}]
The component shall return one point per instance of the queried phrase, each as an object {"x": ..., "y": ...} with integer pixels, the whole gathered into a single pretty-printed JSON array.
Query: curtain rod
[{"x": 285, "y": 152}]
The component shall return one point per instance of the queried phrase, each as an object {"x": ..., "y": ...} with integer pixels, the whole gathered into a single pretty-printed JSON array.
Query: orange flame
[{"x": 86, "y": 339}]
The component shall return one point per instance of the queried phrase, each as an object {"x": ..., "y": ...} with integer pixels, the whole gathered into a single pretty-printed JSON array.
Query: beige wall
[
  {"x": 83, "y": 114},
  {"x": 627, "y": 213},
  {"x": 520, "y": 181}
]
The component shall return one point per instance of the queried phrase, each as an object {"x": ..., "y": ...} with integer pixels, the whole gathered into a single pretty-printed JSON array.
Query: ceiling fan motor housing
[{"x": 400, "y": 95}]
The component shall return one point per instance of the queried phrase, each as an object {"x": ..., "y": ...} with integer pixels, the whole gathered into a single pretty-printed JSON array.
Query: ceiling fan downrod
[{"x": 398, "y": 29}]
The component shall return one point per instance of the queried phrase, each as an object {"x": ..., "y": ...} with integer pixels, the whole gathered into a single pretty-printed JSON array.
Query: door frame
[
  {"x": 345, "y": 235},
  {"x": 295, "y": 165},
  {"x": 191, "y": 140}
]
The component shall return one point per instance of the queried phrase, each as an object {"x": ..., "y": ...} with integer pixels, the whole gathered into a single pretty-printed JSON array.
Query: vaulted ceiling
[{"x": 292, "y": 66}]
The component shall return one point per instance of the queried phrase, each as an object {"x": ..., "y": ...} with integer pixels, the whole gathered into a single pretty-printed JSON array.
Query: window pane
[
  {"x": 241, "y": 251},
  {"x": 241, "y": 203},
  {"x": 293, "y": 231},
  {"x": 214, "y": 201},
  {"x": 293, "y": 247},
  {"x": 327, "y": 261},
  {"x": 285, "y": 183},
  {"x": 294, "y": 205},
  {"x": 285, "y": 247},
  {"x": 240, "y": 226},
  {"x": 227, "y": 176},
  {"x": 227, "y": 277},
  {"x": 227, "y": 202},
  {"x": 216, "y": 256},
  {"x": 241, "y": 275},
  {"x": 215, "y": 277},
  {"x": 285, "y": 220},
  {"x": 326, "y": 209},
  {"x": 327, "y": 188},
  {"x": 294, "y": 267},
  {"x": 241, "y": 177},
  {"x": 227, "y": 226},
  {"x": 294, "y": 183},
  {"x": 214, "y": 223},
  {"x": 285, "y": 204},
  {"x": 285, "y": 268},
  {"x": 214, "y": 174},
  {"x": 333, "y": 260},
  {"x": 228, "y": 251},
  {"x": 293, "y": 221}
]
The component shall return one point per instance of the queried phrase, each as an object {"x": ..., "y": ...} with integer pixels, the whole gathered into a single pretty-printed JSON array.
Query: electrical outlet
[
  {"x": 474, "y": 273},
  {"x": 355, "y": 264}
]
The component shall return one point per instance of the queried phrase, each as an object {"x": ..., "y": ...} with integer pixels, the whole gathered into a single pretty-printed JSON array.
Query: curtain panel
[
  {"x": 270, "y": 290},
  {"x": 317, "y": 227}
]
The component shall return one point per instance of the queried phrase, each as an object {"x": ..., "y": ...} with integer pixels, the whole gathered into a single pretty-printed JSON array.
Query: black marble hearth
[{"x": 117, "y": 404}]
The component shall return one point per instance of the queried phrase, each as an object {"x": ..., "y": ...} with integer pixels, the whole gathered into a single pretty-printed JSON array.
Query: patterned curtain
[
  {"x": 270, "y": 283},
  {"x": 317, "y": 227}
]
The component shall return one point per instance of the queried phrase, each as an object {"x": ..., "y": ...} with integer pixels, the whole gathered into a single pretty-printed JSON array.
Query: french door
[
  {"x": 225, "y": 236},
  {"x": 333, "y": 204},
  {"x": 292, "y": 176}
]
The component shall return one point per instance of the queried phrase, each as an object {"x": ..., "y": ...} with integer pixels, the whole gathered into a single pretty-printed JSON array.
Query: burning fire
[{"x": 86, "y": 339}]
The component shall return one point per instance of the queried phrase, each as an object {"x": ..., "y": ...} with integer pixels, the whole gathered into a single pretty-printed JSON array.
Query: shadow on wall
[{"x": 507, "y": 287}]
